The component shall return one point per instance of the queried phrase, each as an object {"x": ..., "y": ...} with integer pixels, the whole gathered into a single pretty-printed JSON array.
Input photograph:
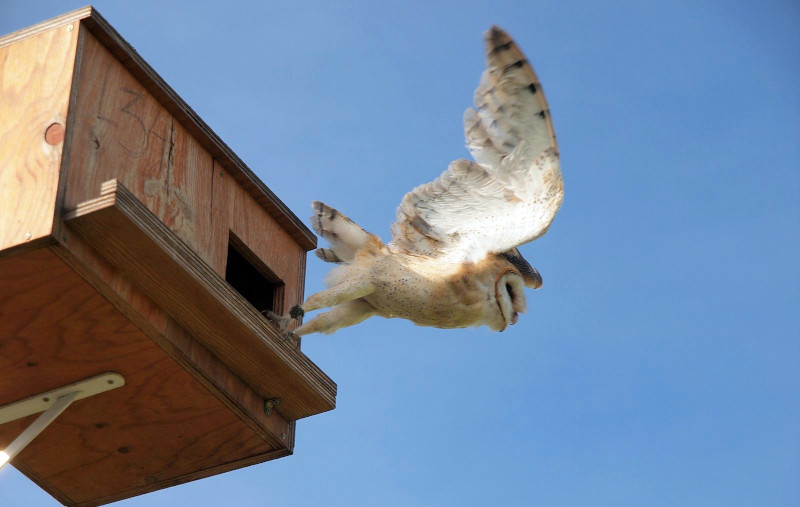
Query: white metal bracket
[{"x": 51, "y": 403}]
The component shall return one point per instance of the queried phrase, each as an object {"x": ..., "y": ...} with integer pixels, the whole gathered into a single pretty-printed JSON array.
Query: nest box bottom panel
[{"x": 163, "y": 427}]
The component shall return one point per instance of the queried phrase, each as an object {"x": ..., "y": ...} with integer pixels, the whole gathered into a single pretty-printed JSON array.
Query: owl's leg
[
  {"x": 344, "y": 315},
  {"x": 348, "y": 290}
]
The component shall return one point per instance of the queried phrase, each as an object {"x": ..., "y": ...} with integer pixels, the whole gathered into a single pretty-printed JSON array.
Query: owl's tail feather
[{"x": 346, "y": 238}]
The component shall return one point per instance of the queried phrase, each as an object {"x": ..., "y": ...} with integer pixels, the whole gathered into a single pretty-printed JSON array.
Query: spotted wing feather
[{"x": 512, "y": 191}]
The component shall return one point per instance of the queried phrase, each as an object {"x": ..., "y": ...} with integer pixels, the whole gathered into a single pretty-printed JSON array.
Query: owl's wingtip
[
  {"x": 496, "y": 39},
  {"x": 495, "y": 34}
]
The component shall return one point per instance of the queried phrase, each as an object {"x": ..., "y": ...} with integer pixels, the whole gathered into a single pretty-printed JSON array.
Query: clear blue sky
[{"x": 660, "y": 363}]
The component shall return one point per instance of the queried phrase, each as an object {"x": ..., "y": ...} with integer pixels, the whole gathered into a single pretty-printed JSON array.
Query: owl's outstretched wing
[{"x": 512, "y": 191}]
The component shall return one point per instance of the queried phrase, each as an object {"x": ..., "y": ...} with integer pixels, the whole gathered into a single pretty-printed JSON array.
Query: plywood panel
[
  {"x": 175, "y": 341},
  {"x": 35, "y": 78},
  {"x": 184, "y": 114},
  {"x": 235, "y": 210},
  {"x": 162, "y": 427},
  {"x": 269, "y": 241},
  {"x": 223, "y": 195},
  {"x": 120, "y": 131},
  {"x": 136, "y": 243}
]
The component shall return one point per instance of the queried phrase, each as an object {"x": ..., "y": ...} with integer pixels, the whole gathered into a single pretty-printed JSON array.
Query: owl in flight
[{"x": 453, "y": 260}]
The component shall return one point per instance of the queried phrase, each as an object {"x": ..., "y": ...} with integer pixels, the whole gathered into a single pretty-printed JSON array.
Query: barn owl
[{"x": 453, "y": 260}]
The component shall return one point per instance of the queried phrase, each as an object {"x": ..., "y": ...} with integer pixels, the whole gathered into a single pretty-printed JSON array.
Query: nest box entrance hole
[{"x": 252, "y": 278}]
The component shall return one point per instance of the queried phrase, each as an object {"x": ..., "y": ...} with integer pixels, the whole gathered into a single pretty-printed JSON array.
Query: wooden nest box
[{"x": 134, "y": 242}]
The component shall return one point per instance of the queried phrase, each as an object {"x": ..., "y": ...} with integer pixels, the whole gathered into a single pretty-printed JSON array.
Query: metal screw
[
  {"x": 283, "y": 436},
  {"x": 45, "y": 399},
  {"x": 27, "y": 235},
  {"x": 69, "y": 28},
  {"x": 110, "y": 381}
]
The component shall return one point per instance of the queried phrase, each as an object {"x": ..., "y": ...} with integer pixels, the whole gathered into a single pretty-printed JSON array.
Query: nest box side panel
[
  {"x": 270, "y": 242},
  {"x": 35, "y": 81},
  {"x": 237, "y": 212},
  {"x": 121, "y": 131}
]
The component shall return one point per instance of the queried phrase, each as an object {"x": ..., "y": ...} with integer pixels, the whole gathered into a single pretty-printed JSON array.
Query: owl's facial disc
[{"x": 510, "y": 297}]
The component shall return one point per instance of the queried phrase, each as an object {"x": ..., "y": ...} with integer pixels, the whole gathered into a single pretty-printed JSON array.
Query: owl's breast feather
[{"x": 431, "y": 293}]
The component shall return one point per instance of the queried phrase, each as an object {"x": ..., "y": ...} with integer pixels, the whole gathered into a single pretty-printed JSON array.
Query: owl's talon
[
  {"x": 278, "y": 320},
  {"x": 297, "y": 312},
  {"x": 292, "y": 339}
]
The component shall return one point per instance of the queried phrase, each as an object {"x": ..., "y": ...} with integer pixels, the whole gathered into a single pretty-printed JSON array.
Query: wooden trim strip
[{"x": 64, "y": 19}]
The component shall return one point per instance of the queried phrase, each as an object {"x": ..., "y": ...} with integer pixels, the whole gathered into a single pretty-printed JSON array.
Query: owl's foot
[
  {"x": 281, "y": 322},
  {"x": 297, "y": 312}
]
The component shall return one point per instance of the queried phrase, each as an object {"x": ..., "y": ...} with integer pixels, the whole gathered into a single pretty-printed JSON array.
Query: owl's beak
[
  {"x": 533, "y": 280},
  {"x": 530, "y": 275}
]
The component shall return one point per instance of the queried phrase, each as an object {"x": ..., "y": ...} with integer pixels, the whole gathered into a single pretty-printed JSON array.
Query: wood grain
[
  {"x": 235, "y": 211},
  {"x": 35, "y": 78},
  {"x": 120, "y": 131},
  {"x": 174, "y": 340},
  {"x": 126, "y": 233},
  {"x": 123, "y": 52},
  {"x": 185, "y": 115},
  {"x": 160, "y": 429}
]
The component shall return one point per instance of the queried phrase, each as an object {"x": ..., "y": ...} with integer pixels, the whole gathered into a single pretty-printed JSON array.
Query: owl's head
[{"x": 513, "y": 275}]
